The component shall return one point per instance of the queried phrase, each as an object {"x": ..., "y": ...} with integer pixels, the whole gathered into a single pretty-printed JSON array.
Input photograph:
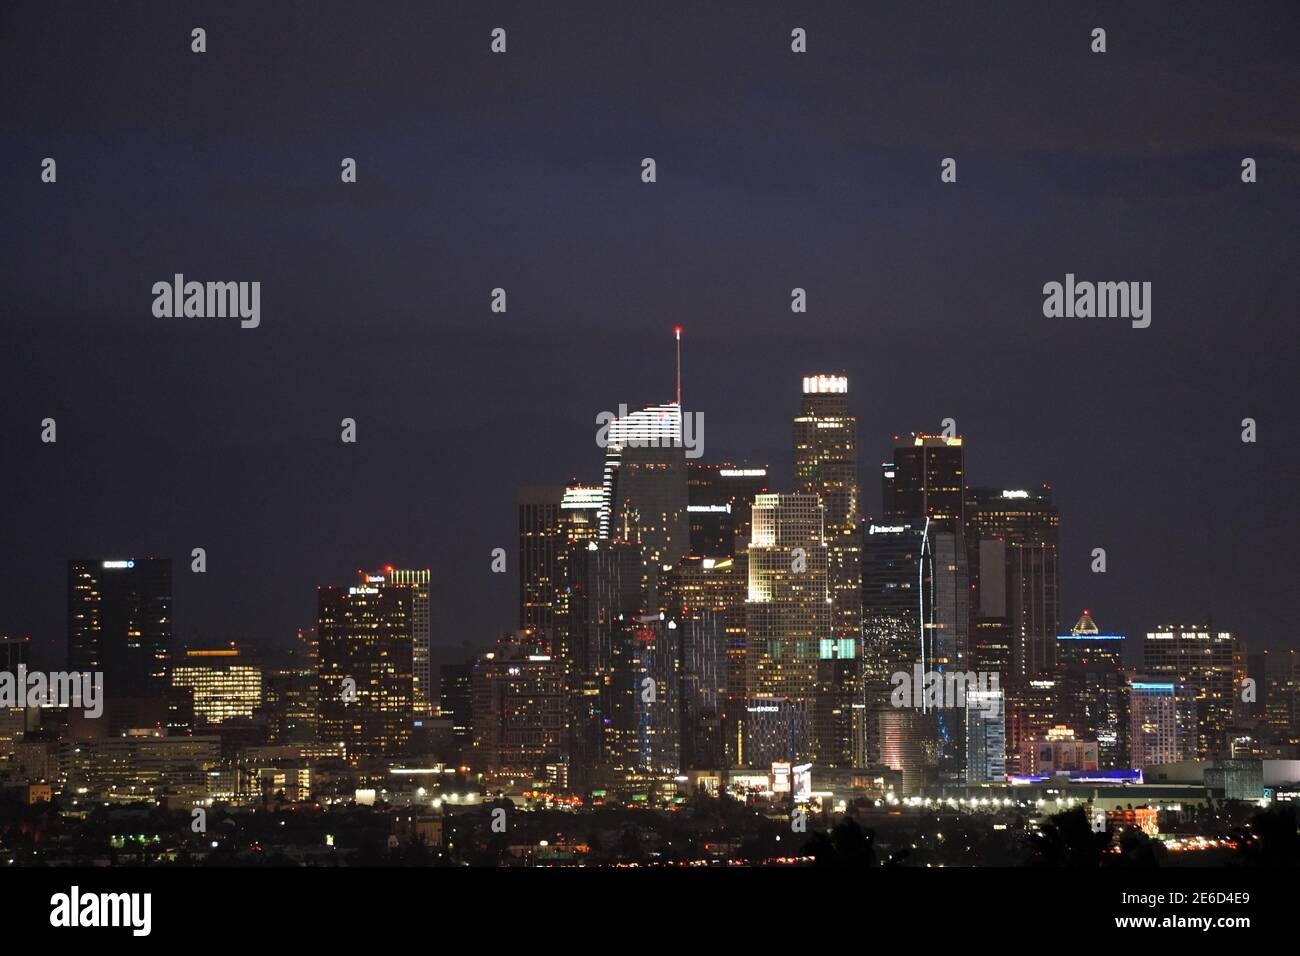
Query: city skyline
[{"x": 503, "y": 616}]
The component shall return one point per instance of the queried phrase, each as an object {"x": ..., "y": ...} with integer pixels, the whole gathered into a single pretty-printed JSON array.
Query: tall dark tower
[
  {"x": 600, "y": 587},
  {"x": 925, "y": 480},
  {"x": 720, "y": 503},
  {"x": 1011, "y": 536},
  {"x": 923, "y": 488},
  {"x": 551, "y": 517},
  {"x": 120, "y": 623},
  {"x": 645, "y": 486},
  {"x": 540, "y": 542}
]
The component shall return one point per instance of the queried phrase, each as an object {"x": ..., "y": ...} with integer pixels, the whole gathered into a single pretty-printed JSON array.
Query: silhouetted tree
[
  {"x": 846, "y": 845},
  {"x": 1137, "y": 849},
  {"x": 1067, "y": 839},
  {"x": 1272, "y": 839}
]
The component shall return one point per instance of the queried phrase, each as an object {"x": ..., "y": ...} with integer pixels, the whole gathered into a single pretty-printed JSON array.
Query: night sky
[{"x": 522, "y": 170}]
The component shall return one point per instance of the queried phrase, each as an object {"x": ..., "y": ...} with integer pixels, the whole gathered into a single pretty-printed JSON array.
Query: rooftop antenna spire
[{"x": 677, "y": 330}]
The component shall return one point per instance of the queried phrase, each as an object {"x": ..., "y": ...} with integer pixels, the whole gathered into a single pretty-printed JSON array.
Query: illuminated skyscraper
[
  {"x": 580, "y": 512},
  {"x": 1093, "y": 699},
  {"x": 120, "y": 623},
  {"x": 421, "y": 634},
  {"x": 1154, "y": 732},
  {"x": 710, "y": 586},
  {"x": 891, "y": 589},
  {"x": 826, "y": 465},
  {"x": 540, "y": 542},
  {"x": 839, "y": 716},
  {"x": 519, "y": 713},
  {"x": 551, "y": 517},
  {"x": 1085, "y": 645},
  {"x": 944, "y": 599},
  {"x": 907, "y": 742},
  {"x": 366, "y": 651},
  {"x": 890, "y": 598},
  {"x": 644, "y": 497},
  {"x": 923, "y": 486},
  {"x": 788, "y": 611},
  {"x": 986, "y": 736},
  {"x": 1031, "y": 708},
  {"x": 702, "y": 639},
  {"x": 776, "y": 729},
  {"x": 643, "y": 694},
  {"x": 1011, "y": 535}
]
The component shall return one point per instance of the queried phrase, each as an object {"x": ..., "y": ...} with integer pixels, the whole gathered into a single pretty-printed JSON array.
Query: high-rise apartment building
[
  {"x": 1204, "y": 661},
  {"x": 1154, "y": 731}
]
